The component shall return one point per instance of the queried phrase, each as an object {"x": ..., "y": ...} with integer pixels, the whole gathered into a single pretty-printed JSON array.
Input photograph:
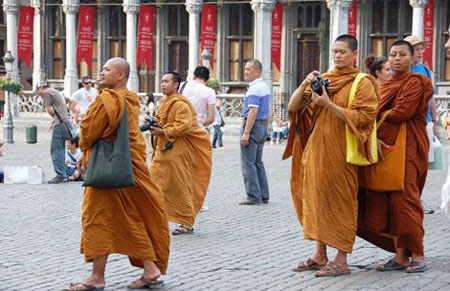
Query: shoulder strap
[
  {"x": 427, "y": 70},
  {"x": 182, "y": 87},
  {"x": 57, "y": 115},
  {"x": 353, "y": 89}
]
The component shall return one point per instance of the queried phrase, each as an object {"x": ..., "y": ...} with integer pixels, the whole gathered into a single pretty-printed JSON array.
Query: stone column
[
  {"x": 262, "y": 37},
  {"x": 194, "y": 7},
  {"x": 11, "y": 8},
  {"x": 287, "y": 45},
  {"x": 101, "y": 37},
  {"x": 37, "y": 45},
  {"x": 160, "y": 46},
  {"x": 418, "y": 14},
  {"x": 131, "y": 8},
  {"x": 338, "y": 20},
  {"x": 70, "y": 8}
]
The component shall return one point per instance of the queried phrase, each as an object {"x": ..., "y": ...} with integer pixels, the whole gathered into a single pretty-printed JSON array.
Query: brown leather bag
[{"x": 389, "y": 174}]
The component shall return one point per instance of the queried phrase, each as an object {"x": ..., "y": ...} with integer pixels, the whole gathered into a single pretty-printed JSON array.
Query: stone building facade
[{"x": 243, "y": 31}]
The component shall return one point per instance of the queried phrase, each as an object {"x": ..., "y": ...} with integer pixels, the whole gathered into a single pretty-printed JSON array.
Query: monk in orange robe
[
  {"x": 131, "y": 220},
  {"x": 324, "y": 186},
  {"x": 394, "y": 220},
  {"x": 182, "y": 157}
]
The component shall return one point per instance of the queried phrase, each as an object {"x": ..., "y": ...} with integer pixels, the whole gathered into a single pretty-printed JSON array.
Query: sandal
[
  {"x": 308, "y": 265},
  {"x": 142, "y": 284},
  {"x": 332, "y": 270},
  {"x": 86, "y": 287},
  {"x": 391, "y": 265},
  {"x": 417, "y": 267},
  {"x": 182, "y": 229}
]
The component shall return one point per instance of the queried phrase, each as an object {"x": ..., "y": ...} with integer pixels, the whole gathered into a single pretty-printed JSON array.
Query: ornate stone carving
[
  {"x": 194, "y": 6},
  {"x": 11, "y": 6},
  {"x": 263, "y": 5},
  {"x": 131, "y": 6},
  {"x": 71, "y": 6},
  {"x": 418, "y": 3},
  {"x": 343, "y": 4}
]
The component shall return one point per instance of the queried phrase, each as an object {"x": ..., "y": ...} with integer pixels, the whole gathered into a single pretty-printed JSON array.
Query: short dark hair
[
  {"x": 256, "y": 63},
  {"x": 75, "y": 140},
  {"x": 374, "y": 64},
  {"x": 201, "y": 72},
  {"x": 403, "y": 42},
  {"x": 84, "y": 79},
  {"x": 350, "y": 40},
  {"x": 151, "y": 97},
  {"x": 175, "y": 77}
]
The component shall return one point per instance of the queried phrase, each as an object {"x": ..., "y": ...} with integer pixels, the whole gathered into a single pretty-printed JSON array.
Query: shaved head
[
  {"x": 121, "y": 65},
  {"x": 115, "y": 73}
]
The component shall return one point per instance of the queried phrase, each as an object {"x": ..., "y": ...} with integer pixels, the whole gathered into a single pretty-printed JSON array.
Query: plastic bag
[{"x": 445, "y": 193}]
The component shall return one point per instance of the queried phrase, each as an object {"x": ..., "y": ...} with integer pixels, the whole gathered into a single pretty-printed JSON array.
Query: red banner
[
  {"x": 86, "y": 21},
  {"x": 25, "y": 34},
  {"x": 352, "y": 19},
  {"x": 145, "y": 36},
  {"x": 277, "y": 25},
  {"x": 428, "y": 22},
  {"x": 208, "y": 30}
]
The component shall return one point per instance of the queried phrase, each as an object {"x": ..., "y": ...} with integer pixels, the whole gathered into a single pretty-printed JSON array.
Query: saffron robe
[
  {"x": 324, "y": 186},
  {"x": 131, "y": 220},
  {"x": 400, "y": 213},
  {"x": 183, "y": 172}
]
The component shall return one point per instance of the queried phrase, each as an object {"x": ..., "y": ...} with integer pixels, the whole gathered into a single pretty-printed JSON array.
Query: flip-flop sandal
[
  {"x": 332, "y": 270},
  {"x": 308, "y": 265},
  {"x": 391, "y": 265},
  {"x": 182, "y": 229},
  {"x": 417, "y": 267},
  {"x": 86, "y": 287},
  {"x": 145, "y": 285}
]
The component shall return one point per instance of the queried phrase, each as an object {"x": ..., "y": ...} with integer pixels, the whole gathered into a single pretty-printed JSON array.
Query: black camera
[
  {"x": 316, "y": 86},
  {"x": 149, "y": 121}
]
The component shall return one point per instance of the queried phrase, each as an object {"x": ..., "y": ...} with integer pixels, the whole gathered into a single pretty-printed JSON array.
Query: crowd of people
[{"x": 337, "y": 134}]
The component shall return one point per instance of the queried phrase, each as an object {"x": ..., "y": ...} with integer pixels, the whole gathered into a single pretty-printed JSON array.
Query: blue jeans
[
  {"x": 253, "y": 171},
  {"x": 217, "y": 135},
  {"x": 57, "y": 148},
  {"x": 276, "y": 134}
]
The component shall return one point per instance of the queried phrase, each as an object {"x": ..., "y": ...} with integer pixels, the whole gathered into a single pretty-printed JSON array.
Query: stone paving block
[{"x": 233, "y": 247}]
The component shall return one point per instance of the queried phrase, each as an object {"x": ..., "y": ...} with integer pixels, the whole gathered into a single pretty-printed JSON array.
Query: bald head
[
  {"x": 115, "y": 73},
  {"x": 121, "y": 64}
]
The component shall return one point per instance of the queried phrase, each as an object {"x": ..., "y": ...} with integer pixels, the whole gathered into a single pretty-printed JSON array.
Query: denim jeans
[
  {"x": 217, "y": 135},
  {"x": 253, "y": 171},
  {"x": 57, "y": 148}
]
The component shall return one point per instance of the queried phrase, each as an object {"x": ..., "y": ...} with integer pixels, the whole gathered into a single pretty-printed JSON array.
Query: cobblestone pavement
[{"x": 233, "y": 247}]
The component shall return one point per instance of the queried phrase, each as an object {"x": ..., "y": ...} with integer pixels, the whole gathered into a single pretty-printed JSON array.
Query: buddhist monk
[
  {"x": 394, "y": 220},
  {"x": 182, "y": 156},
  {"x": 132, "y": 220},
  {"x": 324, "y": 186}
]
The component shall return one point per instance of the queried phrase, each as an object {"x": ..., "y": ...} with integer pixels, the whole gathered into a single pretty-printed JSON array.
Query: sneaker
[
  {"x": 213, "y": 146},
  {"x": 58, "y": 179}
]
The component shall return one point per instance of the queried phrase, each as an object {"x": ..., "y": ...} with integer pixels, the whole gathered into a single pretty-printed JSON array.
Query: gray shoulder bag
[{"x": 110, "y": 162}]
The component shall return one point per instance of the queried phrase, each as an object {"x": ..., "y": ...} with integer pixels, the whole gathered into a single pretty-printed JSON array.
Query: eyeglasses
[{"x": 87, "y": 83}]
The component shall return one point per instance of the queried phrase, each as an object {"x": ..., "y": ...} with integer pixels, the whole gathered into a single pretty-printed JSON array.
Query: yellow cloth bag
[{"x": 354, "y": 155}]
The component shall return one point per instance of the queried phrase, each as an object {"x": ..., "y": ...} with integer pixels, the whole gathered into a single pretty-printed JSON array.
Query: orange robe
[
  {"x": 131, "y": 220},
  {"x": 183, "y": 172},
  {"x": 400, "y": 214},
  {"x": 323, "y": 185}
]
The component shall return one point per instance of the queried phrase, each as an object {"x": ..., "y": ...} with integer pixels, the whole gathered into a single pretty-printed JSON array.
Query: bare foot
[{"x": 146, "y": 281}]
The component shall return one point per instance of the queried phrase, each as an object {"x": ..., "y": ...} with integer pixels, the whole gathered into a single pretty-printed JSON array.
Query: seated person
[
  {"x": 73, "y": 154},
  {"x": 277, "y": 129},
  {"x": 446, "y": 123}
]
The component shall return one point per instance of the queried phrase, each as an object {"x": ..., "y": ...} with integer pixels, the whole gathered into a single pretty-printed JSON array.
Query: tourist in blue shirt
[
  {"x": 255, "y": 112},
  {"x": 432, "y": 129}
]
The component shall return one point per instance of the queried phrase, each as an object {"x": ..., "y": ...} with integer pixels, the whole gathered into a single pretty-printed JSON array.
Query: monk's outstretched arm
[
  {"x": 93, "y": 125},
  {"x": 182, "y": 124},
  {"x": 409, "y": 98}
]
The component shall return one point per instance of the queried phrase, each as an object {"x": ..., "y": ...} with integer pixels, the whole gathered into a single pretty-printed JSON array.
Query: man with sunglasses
[{"x": 85, "y": 96}]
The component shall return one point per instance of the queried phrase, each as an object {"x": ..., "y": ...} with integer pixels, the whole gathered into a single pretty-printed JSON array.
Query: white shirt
[
  {"x": 200, "y": 96},
  {"x": 84, "y": 98},
  {"x": 70, "y": 163}
]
